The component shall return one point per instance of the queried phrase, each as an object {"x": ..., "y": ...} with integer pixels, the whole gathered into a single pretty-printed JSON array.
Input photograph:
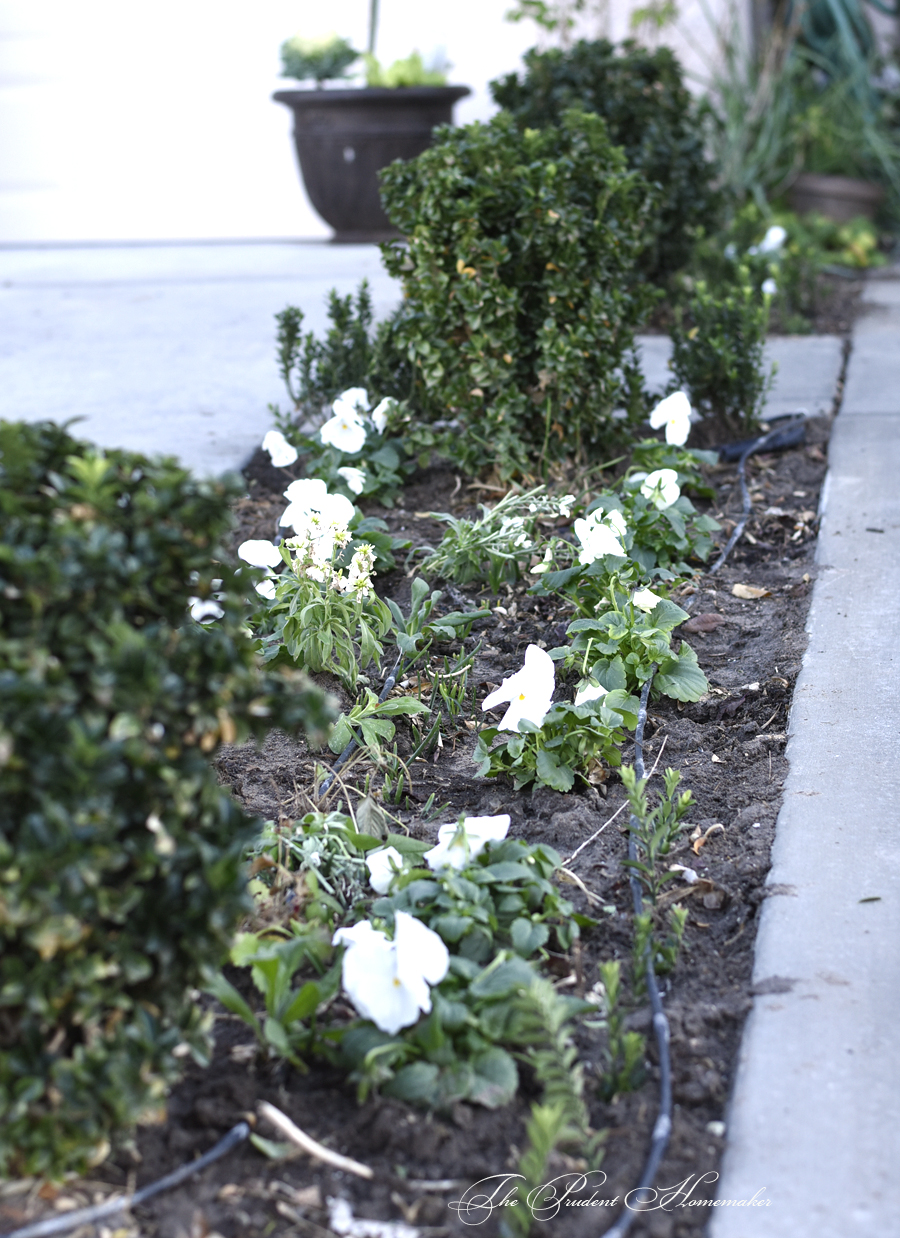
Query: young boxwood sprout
[
  {"x": 280, "y": 450},
  {"x": 661, "y": 488},
  {"x": 354, "y": 477},
  {"x": 460, "y": 842},
  {"x": 674, "y": 412},
  {"x": 388, "y": 981},
  {"x": 529, "y": 691},
  {"x": 383, "y": 865},
  {"x": 599, "y": 535}
]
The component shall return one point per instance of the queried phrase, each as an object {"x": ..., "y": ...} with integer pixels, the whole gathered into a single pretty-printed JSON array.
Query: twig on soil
[
  {"x": 587, "y": 842},
  {"x": 316, "y": 1150}
]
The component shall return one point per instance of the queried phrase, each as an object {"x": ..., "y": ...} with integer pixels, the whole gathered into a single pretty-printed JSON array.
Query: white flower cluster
[
  {"x": 346, "y": 430},
  {"x": 320, "y": 522}
]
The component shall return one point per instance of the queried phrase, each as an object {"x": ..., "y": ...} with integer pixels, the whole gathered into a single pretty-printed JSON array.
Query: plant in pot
[{"x": 344, "y": 137}]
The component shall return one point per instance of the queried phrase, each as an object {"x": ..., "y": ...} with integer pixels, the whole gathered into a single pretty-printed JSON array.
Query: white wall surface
[
  {"x": 126, "y": 120},
  {"x": 121, "y": 119}
]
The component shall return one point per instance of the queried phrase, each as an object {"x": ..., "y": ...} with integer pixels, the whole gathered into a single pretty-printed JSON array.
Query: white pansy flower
[
  {"x": 266, "y": 588},
  {"x": 383, "y": 865},
  {"x": 355, "y": 478},
  {"x": 545, "y": 564},
  {"x": 597, "y": 537},
  {"x": 388, "y": 981},
  {"x": 590, "y": 692},
  {"x": 458, "y": 845},
  {"x": 259, "y": 553},
  {"x": 646, "y": 599},
  {"x": 528, "y": 692},
  {"x": 309, "y": 497},
  {"x": 204, "y": 610},
  {"x": 353, "y": 398},
  {"x": 280, "y": 450},
  {"x": 769, "y": 287},
  {"x": 381, "y": 412},
  {"x": 661, "y": 487},
  {"x": 344, "y": 431},
  {"x": 674, "y": 412}
]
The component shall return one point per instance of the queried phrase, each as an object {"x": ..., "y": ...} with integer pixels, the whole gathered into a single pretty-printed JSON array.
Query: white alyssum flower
[
  {"x": 661, "y": 488},
  {"x": 646, "y": 599},
  {"x": 529, "y": 691},
  {"x": 355, "y": 478},
  {"x": 773, "y": 240},
  {"x": 381, "y": 412},
  {"x": 388, "y": 981},
  {"x": 361, "y": 571},
  {"x": 674, "y": 412},
  {"x": 383, "y": 866},
  {"x": 599, "y": 535},
  {"x": 769, "y": 287},
  {"x": 280, "y": 450},
  {"x": 259, "y": 553},
  {"x": 459, "y": 844},
  {"x": 590, "y": 692}
]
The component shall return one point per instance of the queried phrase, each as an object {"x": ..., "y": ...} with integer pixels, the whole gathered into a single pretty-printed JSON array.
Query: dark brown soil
[{"x": 730, "y": 750}]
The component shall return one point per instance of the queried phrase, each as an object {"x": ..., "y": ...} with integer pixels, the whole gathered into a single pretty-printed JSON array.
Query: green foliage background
[{"x": 120, "y": 856}]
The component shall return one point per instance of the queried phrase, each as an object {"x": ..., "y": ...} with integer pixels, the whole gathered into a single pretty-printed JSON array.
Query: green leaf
[
  {"x": 667, "y": 615},
  {"x": 304, "y": 1004},
  {"x": 503, "y": 976},
  {"x": 683, "y": 680},
  {"x": 273, "y": 1149},
  {"x": 552, "y": 774},
  {"x": 231, "y": 999},
  {"x": 526, "y": 936},
  {"x": 402, "y": 705},
  {"x": 415, "y": 1082},
  {"x": 496, "y": 1078}
]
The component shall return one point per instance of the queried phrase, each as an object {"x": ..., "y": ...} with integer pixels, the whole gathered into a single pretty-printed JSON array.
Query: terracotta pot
[
  {"x": 840, "y": 198},
  {"x": 344, "y": 137}
]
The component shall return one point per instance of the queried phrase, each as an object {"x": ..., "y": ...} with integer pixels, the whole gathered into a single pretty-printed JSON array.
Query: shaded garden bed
[{"x": 729, "y": 748}]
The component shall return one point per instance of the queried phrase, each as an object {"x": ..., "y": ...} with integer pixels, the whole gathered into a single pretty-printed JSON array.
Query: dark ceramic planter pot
[
  {"x": 344, "y": 137},
  {"x": 840, "y": 198}
]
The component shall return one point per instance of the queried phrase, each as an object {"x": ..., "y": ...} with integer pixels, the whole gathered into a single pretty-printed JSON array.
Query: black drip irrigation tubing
[
  {"x": 775, "y": 440},
  {"x": 354, "y": 742},
  {"x": 87, "y": 1216},
  {"x": 663, "y": 1125}
]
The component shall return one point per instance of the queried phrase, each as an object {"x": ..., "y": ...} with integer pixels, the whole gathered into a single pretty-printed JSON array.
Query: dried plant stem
[{"x": 317, "y": 1150}]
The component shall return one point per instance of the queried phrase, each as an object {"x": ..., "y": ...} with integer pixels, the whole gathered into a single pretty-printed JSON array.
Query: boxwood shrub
[
  {"x": 520, "y": 294},
  {"x": 120, "y": 871},
  {"x": 649, "y": 113}
]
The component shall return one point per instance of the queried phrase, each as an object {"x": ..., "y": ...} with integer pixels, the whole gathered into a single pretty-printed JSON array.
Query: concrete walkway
[
  {"x": 164, "y": 348},
  {"x": 171, "y": 348},
  {"x": 814, "y": 1121}
]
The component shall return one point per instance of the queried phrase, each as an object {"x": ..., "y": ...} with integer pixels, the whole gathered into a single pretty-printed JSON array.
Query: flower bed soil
[{"x": 730, "y": 750}]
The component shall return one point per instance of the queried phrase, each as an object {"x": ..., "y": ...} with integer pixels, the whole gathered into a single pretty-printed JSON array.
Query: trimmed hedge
[
  {"x": 120, "y": 870},
  {"x": 520, "y": 293},
  {"x": 649, "y": 112}
]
